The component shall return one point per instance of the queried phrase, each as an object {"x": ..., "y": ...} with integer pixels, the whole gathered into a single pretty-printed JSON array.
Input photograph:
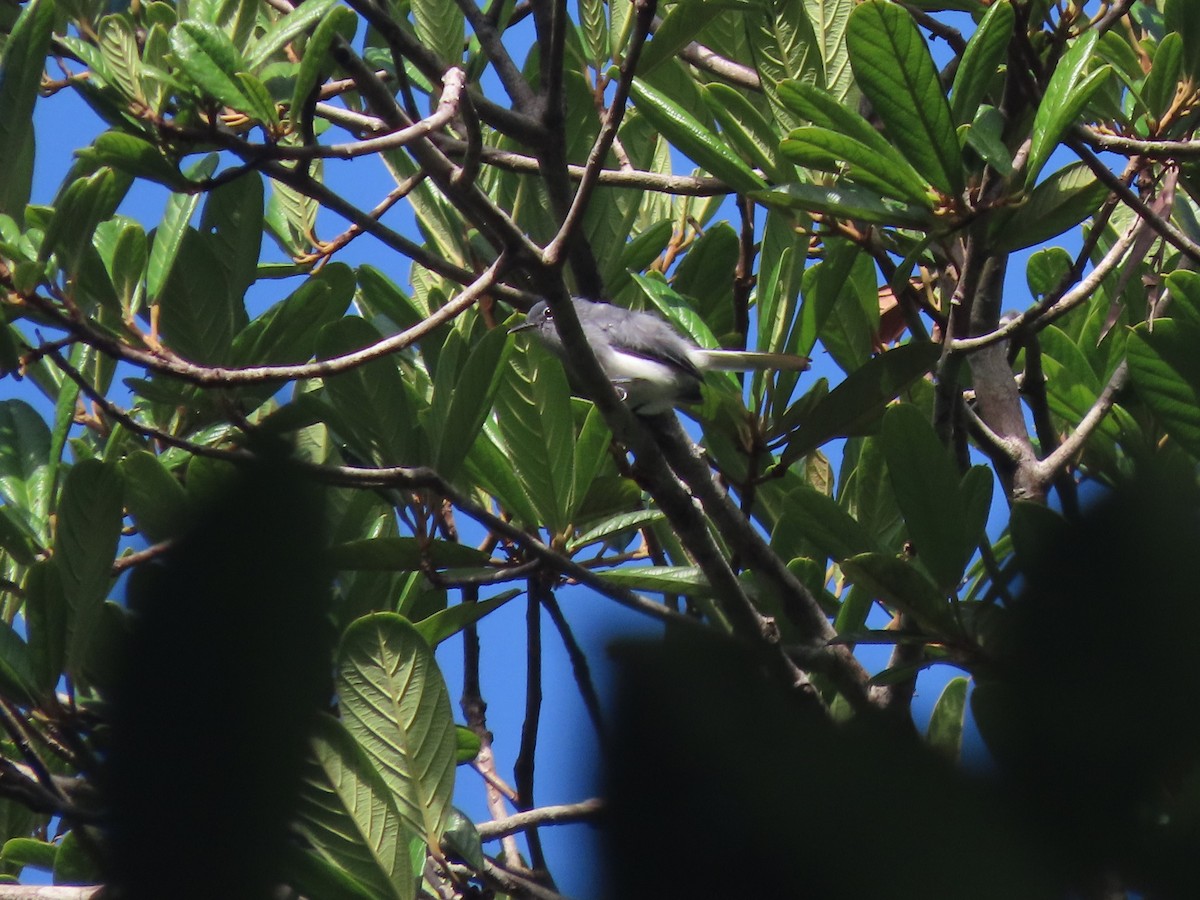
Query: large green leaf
[
  {"x": 200, "y": 313},
  {"x": 686, "y": 580},
  {"x": 941, "y": 510},
  {"x": 747, "y": 129},
  {"x": 171, "y": 231},
  {"x": 692, "y": 138},
  {"x": 855, "y": 405},
  {"x": 946, "y": 724},
  {"x": 1183, "y": 18},
  {"x": 785, "y": 47},
  {"x": 1068, "y": 92},
  {"x": 287, "y": 28},
  {"x": 845, "y": 202},
  {"x": 459, "y": 407},
  {"x": 985, "y": 54},
  {"x": 21, "y": 66},
  {"x": 439, "y": 26},
  {"x": 453, "y": 619},
  {"x": 1057, "y": 204},
  {"x": 286, "y": 333},
  {"x": 395, "y": 704},
  {"x": 155, "y": 498},
  {"x": 533, "y": 408},
  {"x": 829, "y": 19},
  {"x": 347, "y": 812},
  {"x": 89, "y": 526},
  {"x": 82, "y": 206},
  {"x": 371, "y": 403},
  {"x": 18, "y": 678},
  {"x": 47, "y": 617},
  {"x": 233, "y": 220},
  {"x": 208, "y": 58},
  {"x": 679, "y": 27},
  {"x": 829, "y": 151},
  {"x": 25, "y": 480},
  {"x": 1166, "y": 372},
  {"x": 901, "y": 585},
  {"x": 894, "y": 69},
  {"x": 817, "y": 518}
]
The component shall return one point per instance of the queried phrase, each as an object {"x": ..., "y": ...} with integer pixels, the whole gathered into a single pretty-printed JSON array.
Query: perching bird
[{"x": 653, "y": 367}]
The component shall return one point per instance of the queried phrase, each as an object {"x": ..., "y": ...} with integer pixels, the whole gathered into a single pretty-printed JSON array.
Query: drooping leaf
[
  {"x": 453, "y": 619},
  {"x": 829, "y": 151},
  {"x": 1057, "y": 204},
  {"x": 845, "y": 202},
  {"x": 396, "y": 706},
  {"x": 25, "y": 482},
  {"x": 686, "y": 580}
]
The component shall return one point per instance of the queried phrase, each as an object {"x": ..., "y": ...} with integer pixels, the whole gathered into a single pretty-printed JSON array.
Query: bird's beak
[{"x": 522, "y": 327}]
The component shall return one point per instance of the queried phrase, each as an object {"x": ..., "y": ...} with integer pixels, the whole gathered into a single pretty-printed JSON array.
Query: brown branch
[{"x": 563, "y": 814}]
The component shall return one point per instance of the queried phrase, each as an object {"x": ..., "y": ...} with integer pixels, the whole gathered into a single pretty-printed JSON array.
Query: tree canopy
[{"x": 276, "y": 443}]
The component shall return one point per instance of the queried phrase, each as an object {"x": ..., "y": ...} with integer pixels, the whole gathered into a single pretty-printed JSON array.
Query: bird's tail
[{"x": 743, "y": 360}]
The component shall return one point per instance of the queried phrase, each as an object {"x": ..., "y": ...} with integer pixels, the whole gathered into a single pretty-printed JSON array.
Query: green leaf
[
  {"x": 16, "y": 538},
  {"x": 1066, "y": 95},
  {"x": 1183, "y": 18},
  {"x": 679, "y": 27},
  {"x": 317, "y": 62},
  {"x": 169, "y": 235},
  {"x": 784, "y": 46},
  {"x": 594, "y": 27},
  {"x": 232, "y": 223},
  {"x": 746, "y": 128},
  {"x": 692, "y": 138},
  {"x": 855, "y": 405},
  {"x": 25, "y": 481},
  {"x": 904, "y": 587},
  {"x": 208, "y": 58},
  {"x": 985, "y": 54},
  {"x": 1165, "y": 370},
  {"x": 134, "y": 156},
  {"x": 47, "y": 618},
  {"x": 1158, "y": 90},
  {"x": 286, "y": 334},
  {"x": 347, "y": 812},
  {"x": 820, "y": 520},
  {"x": 287, "y": 28},
  {"x": 844, "y": 202},
  {"x": 829, "y": 19},
  {"x": 21, "y": 63},
  {"x": 926, "y": 483},
  {"x": 453, "y": 619},
  {"x": 155, "y": 498},
  {"x": 828, "y": 151},
  {"x": 686, "y": 580},
  {"x": 200, "y": 312},
  {"x": 396, "y": 706},
  {"x": 127, "y": 267},
  {"x": 89, "y": 526},
  {"x": 439, "y": 26},
  {"x": 619, "y": 524},
  {"x": 894, "y": 69},
  {"x": 533, "y": 409},
  {"x": 18, "y": 681},
  {"x": 1056, "y": 205},
  {"x": 458, "y": 409},
  {"x": 986, "y": 137},
  {"x": 83, "y": 205},
  {"x": 403, "y": 554},
  {"x": 372, "y": 402},
  {"x": 317, "y": 878}
]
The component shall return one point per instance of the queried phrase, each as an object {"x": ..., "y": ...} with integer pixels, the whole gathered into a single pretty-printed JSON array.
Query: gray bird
[{"x": 653, "y": 367}]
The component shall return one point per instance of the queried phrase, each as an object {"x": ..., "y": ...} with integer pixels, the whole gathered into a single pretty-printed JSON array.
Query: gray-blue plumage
[{"x": 651, "y": 365}]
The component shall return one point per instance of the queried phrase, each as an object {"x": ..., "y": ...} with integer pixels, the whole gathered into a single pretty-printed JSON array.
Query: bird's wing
[{"x": 642, "y": 334}]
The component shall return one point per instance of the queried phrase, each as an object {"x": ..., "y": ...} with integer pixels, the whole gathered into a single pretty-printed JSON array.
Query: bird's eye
[{"x": 549, "y": 314}]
